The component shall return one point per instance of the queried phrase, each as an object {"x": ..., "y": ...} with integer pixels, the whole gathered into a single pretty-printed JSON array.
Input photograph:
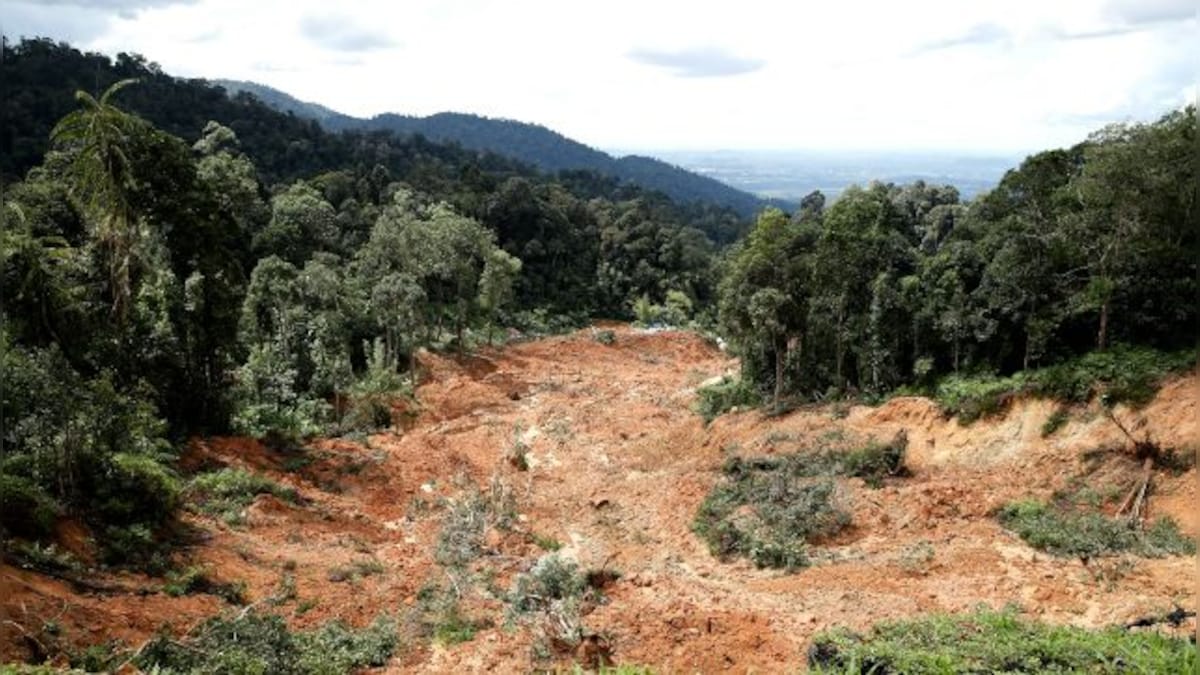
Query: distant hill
[{"x": 530, "y": 143}]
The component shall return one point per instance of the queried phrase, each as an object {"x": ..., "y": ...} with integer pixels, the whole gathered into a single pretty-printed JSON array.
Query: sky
[{"x": 962, "y": 76}]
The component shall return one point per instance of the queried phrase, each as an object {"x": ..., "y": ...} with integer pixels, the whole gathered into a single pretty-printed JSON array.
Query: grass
[
  {"x": 225, "y": 493},
  {"x": 355, "y": 570},
  {"x": 1121, "y": 374},
  {"x": 717, "y": 399},
  {"x": 987, "y": 641},
  {"x": 262, "y": 643},
  {"x": 1070, "y": 532},
  {"x": 196, "y": 579}
]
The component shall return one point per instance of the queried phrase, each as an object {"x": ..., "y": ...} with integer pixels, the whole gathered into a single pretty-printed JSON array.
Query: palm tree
[{"x": 99, "y": 135}]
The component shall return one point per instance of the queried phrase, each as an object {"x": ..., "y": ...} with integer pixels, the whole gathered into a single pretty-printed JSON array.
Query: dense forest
[
  {"x": 530, "y": 143},
  {"x": 1085, "y": 249},
  {"x": 176, "y": 262}
]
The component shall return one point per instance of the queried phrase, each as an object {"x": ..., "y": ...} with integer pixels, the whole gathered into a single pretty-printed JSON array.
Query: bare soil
[{"x": 618, "y": 464}]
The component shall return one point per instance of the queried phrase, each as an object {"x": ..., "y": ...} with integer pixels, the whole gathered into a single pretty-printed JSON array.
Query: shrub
[
  {"x": 875, "y": 461},
  {"x": 987, "y": 641},
  {"x": 372, "y": 396},
  {"x": 1121, "y": 374},
  {"x": 767, "y": 511},
  {"x": 25, "y": 509},
  {"x": 552, "y": 578},
  {"x": 257, "y": 643},
  {"x": 355, "y": 570},
  {"x": 226, "y": 492},
  {"x": 461, "y": 538},
  {"x": 1055, "y": 421},
  {"x": 605, "y": 337},
  {"x": 717, "y": 399},
  {"x": 1064, "y": 532}
]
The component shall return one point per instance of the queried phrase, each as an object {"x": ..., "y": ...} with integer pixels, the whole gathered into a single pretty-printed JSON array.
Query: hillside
[
  {"x": 529, "y": 143},
  {"x": 617, "y": 465}
]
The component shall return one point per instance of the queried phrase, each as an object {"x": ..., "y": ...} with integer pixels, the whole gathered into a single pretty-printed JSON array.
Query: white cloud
[{"x": 930, "y": 74}]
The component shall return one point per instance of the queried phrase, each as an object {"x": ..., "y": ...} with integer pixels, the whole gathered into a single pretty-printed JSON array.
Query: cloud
[
  {"x": 123, "y": 7},
  {"x": 698, "y": 61},
  {"x": 343, "y": 34},
  {"x": 978, "y": 35},
  {"x": 1141, "y": 12}
]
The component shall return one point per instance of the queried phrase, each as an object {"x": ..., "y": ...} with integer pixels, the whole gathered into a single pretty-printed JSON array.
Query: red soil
[{"x": 618, "y": 466}]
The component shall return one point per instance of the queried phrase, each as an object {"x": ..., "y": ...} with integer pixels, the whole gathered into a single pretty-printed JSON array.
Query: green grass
[
  {"x": 1055, "y": 421},
  {"x": 226, "y": 492},
  {"x": 1121, "y": 374},
  {"x": 1076, "y": 533},
  {"x": 987, "y": 641},
  {"x": 717, "y": 399}
]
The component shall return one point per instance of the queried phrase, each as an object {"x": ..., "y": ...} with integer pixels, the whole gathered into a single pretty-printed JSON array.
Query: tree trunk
[
  {"x": 780, "y": 357},
  {"x": 1102, "y": 335}
]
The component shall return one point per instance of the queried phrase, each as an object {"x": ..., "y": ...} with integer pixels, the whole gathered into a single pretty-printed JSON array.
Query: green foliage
[
  {"x": 991, "y": 641},
  {"x": 467, "y": 520},
  {"x": 875, "y": 461},
  {"x": 257, "y": 643},
  {"x": 225, "y": 493},
  {"x": 25, "y": 509},
  {"x": 553, "y": 578},
  {"x": 605, "y": 337},
  {"x": 717, "y": 399},
  {"x": 1055, "y": 421},
  {"x": 1122, "y": 374},
  {"x": 546, "y": 543},
  {"x": 355, "y": 570},
  {"x": 768, "y": 509},
  {"x": 1068, "y": 532}
]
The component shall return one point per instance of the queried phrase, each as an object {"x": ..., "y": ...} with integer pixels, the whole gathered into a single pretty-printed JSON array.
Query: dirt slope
[{"x": 618, "y": 466}]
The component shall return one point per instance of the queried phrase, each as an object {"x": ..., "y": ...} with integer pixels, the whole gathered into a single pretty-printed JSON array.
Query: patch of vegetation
[
  {"x": 355, "y": 570},
  {"x": 225, "y": 493},
  {"x": 45, "y": 558},
  {"x": 1070, "y": 532},
  {"x": 1057, "y": 420},
  {"x": 605, "y": 336},
  {"x": 262, "y": 643},
  {"x": 767, "y": 509},
  {"x": 518, "y": 451},
  {"x": 373, "y": 395},
  {"x": 875, "y": 461},
  {"x": 996, "y": 642},
  {"x": 717, "y": 399},
  {"x": 1122, "y": 374},
  {"x": 467, "y": 520},
  {"x": 196, "y": 579},
  {"x": 546, "y": 543},
  {"x": 25, "y": 509}
]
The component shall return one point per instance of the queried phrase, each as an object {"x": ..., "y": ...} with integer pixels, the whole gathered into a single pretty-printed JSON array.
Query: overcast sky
[{"x": 978, "y": 75}]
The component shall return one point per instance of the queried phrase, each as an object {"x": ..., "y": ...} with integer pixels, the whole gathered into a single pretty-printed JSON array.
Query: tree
[{"x": 99, "y": 135}]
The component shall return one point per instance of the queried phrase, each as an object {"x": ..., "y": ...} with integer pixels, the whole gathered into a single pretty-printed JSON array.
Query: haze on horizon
[{"x": 996, "y": 76}]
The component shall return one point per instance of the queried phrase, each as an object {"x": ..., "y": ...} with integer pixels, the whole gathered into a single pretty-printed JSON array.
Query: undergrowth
[
  {"x": 717, "y": 399},
  {"x": 1121, "y": 374},
  {"x": 1076, "y": 533},
  {"x": 987, "y": 641},
  {"x": 262, "y": 643},
  {"x": 226, "y": 492}
]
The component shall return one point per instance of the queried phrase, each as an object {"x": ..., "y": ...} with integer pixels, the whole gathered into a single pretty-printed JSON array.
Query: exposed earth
[{"x": 618, "y": 462}]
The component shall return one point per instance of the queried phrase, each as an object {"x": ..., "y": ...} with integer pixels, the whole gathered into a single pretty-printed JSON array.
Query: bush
[
  {"x": 552, "y": 578},
  {"x": 875, "y": 461},
  {"x": 768, "y": 510},
  {"x": 226, "y": 492},
  {"x": 257, "y": 643},
  {"x": 1065, "y": 532},
  {"x": 987, "y": 641},
  {"x": 1121, "y": 374},
  {"x": 1055, "y": 421},
  {"x": 717, "y": 399},
  {"x": 25, "y": 509},
  {"x": 605, "y": 337},
  {"x": 461, "y": 538}
]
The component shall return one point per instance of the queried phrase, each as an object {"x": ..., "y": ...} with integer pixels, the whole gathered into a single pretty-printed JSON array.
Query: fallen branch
[{"x": 1175, "y": 617}]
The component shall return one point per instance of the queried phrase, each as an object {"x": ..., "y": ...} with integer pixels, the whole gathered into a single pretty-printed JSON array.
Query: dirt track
[{"x": 618, "y": 465}]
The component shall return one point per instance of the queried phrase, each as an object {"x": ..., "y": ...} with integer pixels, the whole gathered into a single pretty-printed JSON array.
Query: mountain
[{"x": 529, "y": 143}]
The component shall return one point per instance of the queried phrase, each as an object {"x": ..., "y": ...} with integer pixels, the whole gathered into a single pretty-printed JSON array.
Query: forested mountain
[{"x": 529, "y": 143}]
